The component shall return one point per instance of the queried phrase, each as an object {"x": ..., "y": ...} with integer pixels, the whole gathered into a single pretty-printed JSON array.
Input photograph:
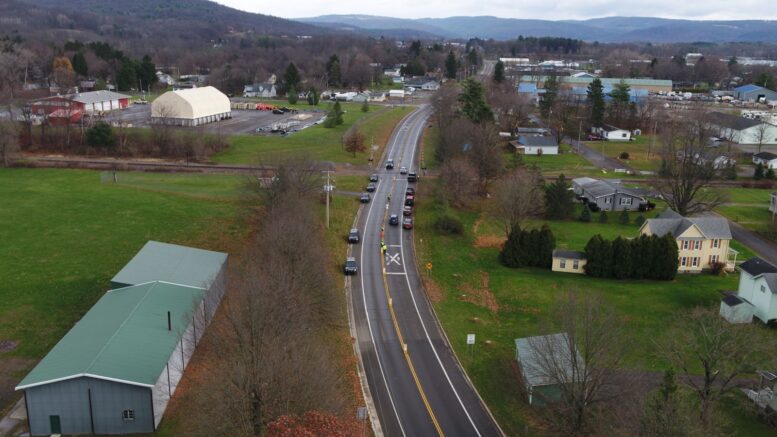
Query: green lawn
[
  {"x": 65, "y": 234},
  {"x": 467, "y": 275},
  {"x": 567, "y": 162},
  {"x": 321, "y": 143},
  {"x": 749, "y": 195},
  {"x": 637, "y": 150},
  {"x": 749, "y": 207}
]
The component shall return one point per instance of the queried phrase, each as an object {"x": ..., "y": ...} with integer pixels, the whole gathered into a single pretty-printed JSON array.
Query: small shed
[
  {"x": 612, "y": 133},
  {"x": 736, "y": 309},
  {"x": 115, "y": 371},
  {"x": 171, "y": 263},
  {"x": 545, "y": 362},
  {"x": 766, "y": 159},
  {"x": 569, "y": 261},
  {"x": 536, "y": 145}
]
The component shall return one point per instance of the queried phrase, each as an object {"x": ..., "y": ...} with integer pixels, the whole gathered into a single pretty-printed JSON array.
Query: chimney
[{"x": 169, "y": 322}]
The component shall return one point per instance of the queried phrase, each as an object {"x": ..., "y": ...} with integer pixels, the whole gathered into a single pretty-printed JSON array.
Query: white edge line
[{"x": 423, "y": 325}]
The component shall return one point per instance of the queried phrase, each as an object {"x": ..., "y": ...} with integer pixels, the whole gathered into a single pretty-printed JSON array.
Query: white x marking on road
[{"x": 392, "y": 259}]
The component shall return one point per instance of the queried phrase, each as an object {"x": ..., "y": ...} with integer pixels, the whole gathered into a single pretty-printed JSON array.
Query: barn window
[{"x": 128, "y": 415}]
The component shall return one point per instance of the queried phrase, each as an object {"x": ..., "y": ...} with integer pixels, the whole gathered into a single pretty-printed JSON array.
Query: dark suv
[
  {"x": 350, "y": 266},
  {"x": 353, "y": 236},
  {"x": 412, "y": 177},
  {"x": 389, "y": 164}
]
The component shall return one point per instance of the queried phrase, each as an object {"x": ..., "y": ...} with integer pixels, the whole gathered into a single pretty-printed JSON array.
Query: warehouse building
[
  {"x": 754, "y": 93},
  {"x": 190, "y": 107},
  {"x": 578, "y": 84},
  {"x": 70, "y": 108},
  {"x": 115, "y": 371},
  {"x": 742, "y": 130}
]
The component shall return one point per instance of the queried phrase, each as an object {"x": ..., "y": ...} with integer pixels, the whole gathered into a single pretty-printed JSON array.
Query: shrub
[
  {"x": 758, "y": 174},
  {"x": 528, "y": 248},
  {"x": 639, "y": 220},
  {"x": 291, "y": 95},
  {"x": 101, "y": 136},
  {"x": 603, "y": 217},
  {"x": 448, "y": 224},
  {"x": 585, "y": 215},
  {"x": 770, "y": 174},
  {"x": 624, "y": 217},
  {"x": 717, "y": 268},
  {"x": 624, "y": 155}
]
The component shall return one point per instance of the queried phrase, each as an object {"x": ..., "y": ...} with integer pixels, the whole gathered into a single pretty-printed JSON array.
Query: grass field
[
  {"x": 473, "y": 293},
  {"x": 65, "y": 234},
  {"x": 566, "y": 162},
  {"x": 321, "y": 143},
  {"x": 749, "y": 207},
  {"x": 637, "y": 150}
]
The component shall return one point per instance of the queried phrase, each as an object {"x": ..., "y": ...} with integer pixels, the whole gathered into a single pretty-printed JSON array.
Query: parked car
[
  {"x": 353, "y": 236},
  {"x": 592, "y": 137},
  {"x": 403, "y": 170},
  {"x": 371, "y": 187},
  {"x": 277, "y": 111},
  {"x": 393, "y": 220},
  {"x": 374, "y": 177},
  {"x": 412, "y": 177},
  {"x": 409, "y": 197},
  {"x": 409, "y": 202},
  {"x": 350, "y": 267},
  {"x": 365, "y": 198},
  {"x": 407, "y": 223},
  {"x": 407, "y": 210},
  {"x": 389, "y": 164},
  {"x": 410, "y": 191}
]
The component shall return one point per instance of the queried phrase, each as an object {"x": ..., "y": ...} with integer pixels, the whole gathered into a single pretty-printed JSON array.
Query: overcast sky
[{"x": 542, "y": 9}]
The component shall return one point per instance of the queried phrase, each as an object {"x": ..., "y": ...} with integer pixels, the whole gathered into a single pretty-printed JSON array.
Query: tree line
[{"x": 643, "y": 257}]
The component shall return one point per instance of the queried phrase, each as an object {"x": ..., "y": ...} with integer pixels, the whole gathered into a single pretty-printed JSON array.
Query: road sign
[
  {"x": 470, "y": 338},
  {"x": 329, "y": 188},
  {"x": 428, "y": 266}
]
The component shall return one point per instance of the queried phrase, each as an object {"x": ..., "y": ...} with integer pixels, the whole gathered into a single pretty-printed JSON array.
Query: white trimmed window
[
  {"x": 713, "y": 259},
  {"x": 683, "y": 261},
  {"x": 128, "y": 415},
  {"x": 575, "y": 264},
  {"x": 626, "y": 200},
  {"x": 695, "y": 261},
  {"x": 697, "y": 245},
  {"x": 715, "y": 243},
  {"x": 562, "y": 263},
  {"x": 686, "y": 244},
  {"x": 763, "y": 289}
]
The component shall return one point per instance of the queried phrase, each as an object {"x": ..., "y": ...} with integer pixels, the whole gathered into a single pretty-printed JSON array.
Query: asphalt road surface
[{"x": 417, "y": 386}]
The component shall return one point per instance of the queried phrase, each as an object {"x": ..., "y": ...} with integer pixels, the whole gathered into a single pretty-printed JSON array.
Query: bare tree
[
  {"x": 722, "y": 351},
  {"x": 353, "y": 142},
  {"x": 510, "y": 108},
  {"x": 298, "y": 176},
  {"x": 13, "y": 68},
  {"x": 485, "y": 154},
  {"x": 687, "y": 169},
  {"x": 459, "y": 178},
  {"x": 520, "y": 195},
  {"x": 761, "y": 133},
  {"x": 9, "y": 140},
  {"x": 582, "y": 362}
]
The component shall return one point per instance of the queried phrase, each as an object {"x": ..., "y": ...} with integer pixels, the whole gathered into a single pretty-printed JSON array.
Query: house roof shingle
[
  {"x": 711, "y": 227},
  {"x": 766, "y": 156},
  {"x": 568, "y": 254},
  {"x": 537, "y": 141},
  {"x": 756, "y": 266},
  {"x": 599, "y": 188},
  {"x": 732, "y": 121}
]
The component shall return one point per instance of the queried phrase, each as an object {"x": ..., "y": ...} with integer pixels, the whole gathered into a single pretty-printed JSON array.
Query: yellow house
[
  {"x": 701, "y": 241},
  {"x": 568, "y": 261}
]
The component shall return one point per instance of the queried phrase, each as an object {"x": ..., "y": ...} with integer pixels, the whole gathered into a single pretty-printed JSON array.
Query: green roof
[
  {"x": 171, "y": 263},
  {"x": 123, "y": 337}
]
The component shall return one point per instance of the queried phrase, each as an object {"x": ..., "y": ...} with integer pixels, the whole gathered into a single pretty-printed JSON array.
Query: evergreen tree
[
  {"x": 101, "y": 136},
  {"x": 606, "y": 260},
  {"x": 624, "y": 217},
  {"x": 338, "y": 113},
  {"x": 499, "y": 72},
  {"x": 667, "y": 254},
  {"x": 558, "y": 199},
  {"x": 291, "y": 77},
  {"x": 730, "y": 172},
  {"x": 639, "y": 220},
  {"x": 621, "y": 259},
  {"x": 764, "y": 79},
  {"x": 593, "y": 250},
  {"x": 79, "y": 64},
  {"x": 585, "y": 214},
  {"x": 473, "y": 102},
  {"x": 769, "y": 174},
  {"x": 549, "y": 98},
  {"x": 759, "y": 172},
  {"x": 365, "y": 107},
  {"x": 620, "y": 93},
  {"x": 603, "y": 217},
  {"x": 510, "y": 256},
  {"x": 596, "y": 100},
  {"x": 291, "y": 95},
  {"x": 146, "y": 72},
  {"x": 451, "y": 66},
  {"x": 125, "y": 78},
  {"x": 333, "y": 71},
  {"x": 547, "y": 244},
  {"x": 313, "y": 96}
]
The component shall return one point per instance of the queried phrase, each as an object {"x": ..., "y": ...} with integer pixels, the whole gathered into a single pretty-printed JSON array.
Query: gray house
[
  {"x": 545, "y": 362},
  {"x": 115, "y": 371},
  {"x": 608, "y": 195}
]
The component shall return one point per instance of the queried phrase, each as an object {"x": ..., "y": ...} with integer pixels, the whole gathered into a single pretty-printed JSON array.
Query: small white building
[
  {"x": 536, "y": 145},
  {"x": 767, "y": 159},
  {"x": 757, "y": 288},
  {"x": 396, "y": 94},
  {"x": 773, "y": 203},
  {"x": 612, "y": 133}
]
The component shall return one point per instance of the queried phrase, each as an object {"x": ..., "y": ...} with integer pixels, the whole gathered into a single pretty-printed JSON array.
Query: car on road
[
  {"x": 393, "y": 219},
  {"x": 277, "y": 111},
  {"x": 365, "y": 198},
  {"x": 403, "y": 170},
  {"x": 389, "y": 164},
  {"x": 409, "y": 202},
  {"x": 374, "y": 177},
  {"x": 370, "y": 187},
  {"x": 353, "y": 236},
  {"x": 407, "y": 210},
  {"x": 407, "y": 222},
  {"x": 593, "y": 137},
  {"x": 350, "y": 267},
  {"x": 410, "y": 191},
  {"x": 412, "y": 177}
]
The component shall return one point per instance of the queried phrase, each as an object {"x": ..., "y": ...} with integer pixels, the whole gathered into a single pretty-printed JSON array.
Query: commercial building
[
  {"x": 754, "y": 93},
  {"x": 72, "y": 107},
  {"x": 115, "y": 371},
  {"x": 638, "y": 87},
  {"x": 190, "y": 107},
  {"x": 742, "y": 130}
]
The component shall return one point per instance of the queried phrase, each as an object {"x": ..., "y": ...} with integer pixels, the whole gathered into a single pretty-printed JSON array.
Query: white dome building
[{"x": 190, "y": 107}]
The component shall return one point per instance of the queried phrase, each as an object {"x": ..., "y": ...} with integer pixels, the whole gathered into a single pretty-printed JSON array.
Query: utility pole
[
  {"x": 579, "y": 131},
  {"x": 328, "y": 188}
]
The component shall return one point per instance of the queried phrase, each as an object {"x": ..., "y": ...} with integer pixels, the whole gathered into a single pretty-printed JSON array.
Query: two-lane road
[{"x": 415, "y": 381}]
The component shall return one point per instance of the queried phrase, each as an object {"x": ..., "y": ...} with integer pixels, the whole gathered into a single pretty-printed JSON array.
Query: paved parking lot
[{"x": 243, "y": 122}]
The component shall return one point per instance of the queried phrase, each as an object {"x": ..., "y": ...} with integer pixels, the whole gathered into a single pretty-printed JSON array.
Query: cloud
[{"x": 539, "y": 9}]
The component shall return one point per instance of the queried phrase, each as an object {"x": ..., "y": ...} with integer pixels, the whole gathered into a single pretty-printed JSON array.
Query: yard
[
  {"x": 642, "y": 154},
  {"x": 749, "y": 207},
  {"x": 473, "y": 293},
  {"x": 566, "y": 162},
  {"x": 321, "y": 143},
  {"x": 65, "y": 233}
]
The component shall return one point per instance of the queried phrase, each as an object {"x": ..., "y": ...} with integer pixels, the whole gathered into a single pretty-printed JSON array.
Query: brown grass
[
  {"x": 485, "y": 241},
  {"x": 481, "y": 296},
  {"x": 433, "y": 290}
]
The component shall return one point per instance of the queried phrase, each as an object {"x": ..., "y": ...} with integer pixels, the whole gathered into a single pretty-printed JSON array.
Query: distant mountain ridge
[{"x": 607, "y": 29}]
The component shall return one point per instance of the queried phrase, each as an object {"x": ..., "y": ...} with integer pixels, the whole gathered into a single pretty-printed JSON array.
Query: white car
[{"x": 402, "y": 170}]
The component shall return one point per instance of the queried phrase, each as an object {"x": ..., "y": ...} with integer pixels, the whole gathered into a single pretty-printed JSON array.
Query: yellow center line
[{"x": 399, "y": 333}]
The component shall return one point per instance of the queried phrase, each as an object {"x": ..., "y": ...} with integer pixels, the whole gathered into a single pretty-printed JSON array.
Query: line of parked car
[{"x": 354, "y": 236}]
